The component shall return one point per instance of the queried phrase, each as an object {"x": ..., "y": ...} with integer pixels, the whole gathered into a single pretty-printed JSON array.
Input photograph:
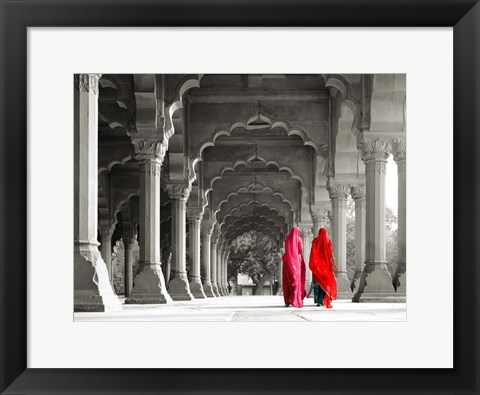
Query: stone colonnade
[{"x": 93, "y": 275}]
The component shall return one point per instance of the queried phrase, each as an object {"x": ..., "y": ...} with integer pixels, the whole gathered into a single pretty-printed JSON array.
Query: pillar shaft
[
  {"x": 106, "y": 250},
  {"x": 128, "y": 266},
  {"x": 400, "y": 279},
  {"x": 179, "y": 287},
  {"x": 307, "y": 237},
  {"x": 89, "y": 294},
  {"x": 220, "y": 272},
  {"x": 206, "y": 280},
  {"x": 213, "y": 263},
  {"x": 358, "y": 193},
  {"x": 194, "y": 219},
  {"x": 375, "y": 282},
  {"x": 338, "y": 195},
  {"x": 149, "y": 283}
]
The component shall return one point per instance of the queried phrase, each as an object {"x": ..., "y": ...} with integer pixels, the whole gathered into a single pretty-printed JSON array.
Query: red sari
[
  {"x": 293, "y": 271},
  {"x": 321, "y": 264}
]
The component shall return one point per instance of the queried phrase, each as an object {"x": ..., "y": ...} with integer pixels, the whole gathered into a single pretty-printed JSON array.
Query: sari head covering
[
  {"x": 293, "y": 270},
  {"x": 321, "y": 263}
]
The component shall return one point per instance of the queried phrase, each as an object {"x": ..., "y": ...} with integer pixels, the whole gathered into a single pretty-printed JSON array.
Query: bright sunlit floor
[{"x": 252, "y": 308}]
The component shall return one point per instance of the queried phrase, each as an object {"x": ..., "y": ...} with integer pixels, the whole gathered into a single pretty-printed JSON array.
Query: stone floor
[{"x": 252, "y": 308}]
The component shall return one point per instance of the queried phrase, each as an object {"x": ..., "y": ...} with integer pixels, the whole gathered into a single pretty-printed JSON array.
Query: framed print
[{"x": 242, "y": 203}]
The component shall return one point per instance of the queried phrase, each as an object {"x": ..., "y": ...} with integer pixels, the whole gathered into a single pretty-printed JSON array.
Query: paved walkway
[{"x": 252, "y": 308}]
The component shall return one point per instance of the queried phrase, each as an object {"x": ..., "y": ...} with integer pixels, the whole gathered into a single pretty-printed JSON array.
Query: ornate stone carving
[
  {"x": 339, "y": 191},
  {"x": 306, "y": 231},
  {"x": 375, "y": 167},
  {"x": 151, "y": 167},
  {"x": 149, "y": 147},
  {"x": 214, "y": 237},
  {"x": 194, "y": 214},
  {"x": 358, "y": 191},
  {"x": 399, "y": 150},
  {"x": 178, "y": 191},
  {"x": 377, "y": 148},
  {"x": 88, "y": 82},
  {"x": 320, "y": 215},
  {"x": 206, "y": 229}
]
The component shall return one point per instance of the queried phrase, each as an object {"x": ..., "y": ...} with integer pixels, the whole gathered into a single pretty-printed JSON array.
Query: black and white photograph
[{"x": 240, "y": 197}]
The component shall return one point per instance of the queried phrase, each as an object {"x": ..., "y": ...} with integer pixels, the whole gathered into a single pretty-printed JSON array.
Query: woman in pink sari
[{"x": 293, "y": 271}]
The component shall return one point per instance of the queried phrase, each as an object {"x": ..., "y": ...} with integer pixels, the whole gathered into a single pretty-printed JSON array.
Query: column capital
[
  {"x": 149, "y": 147},
  {"x": 179, "y": 191},
  {"x": 215, "y": 235},
  {"x": 88, "y": 82},
  {"x": 306, "y": 231},
  {"x": 358, "y": 191},
  {"x": 105, "y": 230},
  {"x": 375, "y": 148},
  {"x": 399, "y": 150},
  {"x": 319, "y": 214},
  {"x": 194, "y": 214},
  {"x": 206, "y": 229},
  {"x": 339, "y": 191}
]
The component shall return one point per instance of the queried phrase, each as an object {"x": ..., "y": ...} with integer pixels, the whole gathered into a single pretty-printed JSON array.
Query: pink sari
[{"x": 293, "y": 271}]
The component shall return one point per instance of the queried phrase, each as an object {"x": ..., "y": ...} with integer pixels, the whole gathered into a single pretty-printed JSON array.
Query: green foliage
[{"x": 254, "y": 255}]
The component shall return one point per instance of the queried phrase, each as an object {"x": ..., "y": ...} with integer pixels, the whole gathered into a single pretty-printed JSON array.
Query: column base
[
  {"x": 215, "y": 290},
  {"x": 196, "y": 288},
  {"x": 222, "y": 290},
  {"x": 92, "y": 289},
  {"x": 355, "y": 281},
  {"x": 376, "y": 285},
  {"x": 208, "y": 289},
  {"x": 226, "y": 290},
  {"x": 179, "y": 288},
  {"x": 149, "y": 285},
  {"x": 279, "y": 290},
  {"x": 343, "y": 286}
]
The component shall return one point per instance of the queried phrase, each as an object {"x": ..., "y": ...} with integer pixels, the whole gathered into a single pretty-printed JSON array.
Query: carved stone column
[
  {"x": 225, "y": 270},
  {"x": 149, "y": 283},
  {"x": 320, "y": 219},
  {"x": 213, "y": 262},
  {"x": 280, "y": 268},
  {"x": 194, "y": 219},
  {"x": 400, "y": 157},
  {"x": 307, "y": 237},
  {"x": 338, "y": 195},
  {"x": 221, "y": 291},
  {"x": 92, "y": 288},
  {"x": 206, "y": 233},
  {"x": 128, "y": 243},
  {"x": 106, "y": 233},
  {"x": 358, "y": 193},
  {"x": 375, "y": 282},
  {"x": 179, "y": 287}
]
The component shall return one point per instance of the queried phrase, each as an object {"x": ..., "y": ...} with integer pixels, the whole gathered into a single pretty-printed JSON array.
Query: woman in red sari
[
  {"x": 293, "y": 271},
  {"x": 321, "y": 264}
]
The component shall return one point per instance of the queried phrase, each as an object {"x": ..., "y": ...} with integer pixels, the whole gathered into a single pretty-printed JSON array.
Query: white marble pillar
[
  {"x": 194, "y": 219},
  {"x": 221, "y": 291},
  {"x": 178, "y": 286},
  {"x": 225, "y": 270},
  {"x": 149, "y": 283},
  {"x": 92, "y": 288},
  {"x": 213, "y": 262},
  {"x": 358, "y": 194},
  {"x": 206, "y": 233},
  {"x": 338, "y": 196},
  {"x": 128, "y": 256},
  {"x": 375, "y": 282},
  {"x": 320, "y": 220},
  {"x": 280, "y": 284},
  {"x": 400, "y": 157},
  {"x": 106, "y": 233},
  {"x": 307, "y": 237}
]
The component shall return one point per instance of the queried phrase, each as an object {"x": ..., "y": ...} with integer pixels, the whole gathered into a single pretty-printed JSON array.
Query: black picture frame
[{"x": 18, "y": 15}]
